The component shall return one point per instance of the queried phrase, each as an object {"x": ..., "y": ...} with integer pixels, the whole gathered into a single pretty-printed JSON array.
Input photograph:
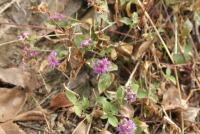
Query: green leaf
[
  {"x": 109, "y": 50},
  {"x": 178, "y": 58},
  {"x": 105, "y": 116},
  {"x": 134, "y": 88},
  {"x": 105, "y": 81},
  {"x": 103, "y": 52},
  {"x": 85, "y": 31},
  {"x": 187, "y": 27},
  {"x": 125, "y": 20},
  {"x": 120, "y": 94},
  {"x": 187, "y": 51},
  {"x": 105, "y": 18},
  {"x": 107, "y": 107},
  {"x": 113, "y": 121},
  {"x": 89, "y": 62},
  {"x": 197, "y": 17},
  {"x": 101, "y": 99},
  {"x": 114, "y": 67},
  {"x": 71, "y": 97},
  {"x": 141, "y": 93},
  {"x": 122, "y": 2},
  {"x": 153, "y": 89},
  {"x": 78, "y": 109},
  {"x": 63, "y": 52},
  {"x": 114, "y": 109},
  {"x": 153, "y": 97},
  {"x": 168, "y": 71},
  {"x": 89, "y": 118},
  {"x": 78, "y": 39},
  {"x": 171, "y": 78},
  {"x": 85, "y": 103}
]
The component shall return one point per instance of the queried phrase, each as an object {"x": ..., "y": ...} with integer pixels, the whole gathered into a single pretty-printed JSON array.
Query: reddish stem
[{"x": 121, "y": 33}]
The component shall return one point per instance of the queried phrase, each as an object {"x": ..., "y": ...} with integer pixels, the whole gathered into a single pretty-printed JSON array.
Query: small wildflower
[
  {"x": 101, "y": 66},
  {"x": 90, "y": 2},
  {"x": 127, "y": 127},
  {"x": 23, "y": 36},
  {"x": 86, "y": 43},
  {"x": 130, "y": 95},
  {"x": 57, "y": 17},
  {"x": 52, "y": 61},
  {"x": 33, "y": 52}
]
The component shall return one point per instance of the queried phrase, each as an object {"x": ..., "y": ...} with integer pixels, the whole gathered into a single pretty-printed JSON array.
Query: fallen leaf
[
  {"x": 138, "y": 51},
  {"x": 113, "y": 54},
  {"x": 23, "y": 78},
  {"x": 125, "y": 49},
  {"x": 81, "y": 128},
  {"x": 59, "y": 101},
  {"x": 126, "y": 111},
  {"x": 9, "y": 128},
  {"x": 30, "y": 116},
  {"x": 11, "y": 102},
  {"x": 43, "y": 7},
  {"x": 171, "y": 99},
  {"x": 43, "y": 66},
  {"x": 98, "y": 113},
  {"x": 189, "y": 115},
  {"x": 104, "y": 131}
]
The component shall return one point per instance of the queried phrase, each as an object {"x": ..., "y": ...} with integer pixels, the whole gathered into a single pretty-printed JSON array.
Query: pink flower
[
  {"x": 23, "y": 36},
  {"x": 86, "y": 43},
  {"x": 33, "y": 52},
  {"x": 127, "y": 127},
  {"x": 52, "y": 61},
  {"x": 101, "y": 66},
  {"x": 57, "y": 17},
  {"x": 90, "y": 2},
  {"x": 130, "y": 95}
]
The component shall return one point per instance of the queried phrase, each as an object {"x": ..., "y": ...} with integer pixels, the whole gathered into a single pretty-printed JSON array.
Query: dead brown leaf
[
  {"x": 76, "y": 61},
  {"x": 24, "y": 78},
  {"x": 138, "y": 51},
  {"x": 125, "y": 49},
  {"x": 11, "y": 102},
  {"x": 189, "y": 115},
  {"x": 29, "y": 116},
  {"x": 43, "y": 7},
  {"x": 171, "y": 99},
  {"x": 126, "y": 111},
  {"x": 98, "y": 113},
  {"x": 63, "y": 66},
  {"x": 43, "y": 66},
  {"x": 81, "y": 128},
  {"x": 9, "y": 128},
  {"x": 59, "y": 101},
  {"x": 113, "y": 54}
]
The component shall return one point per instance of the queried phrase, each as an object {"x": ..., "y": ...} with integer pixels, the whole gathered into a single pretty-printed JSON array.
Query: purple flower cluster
[
  {"x": 52, "y": 61},
  {"x": 33, "y": 52},
  {"x": 29, "y": 48},
  {"x": 101, "y": 66},
  {"x": 57, "y": 17},
  {"x": 130, "y": 95},
  {"x": 23, "y": 36},
  {"x": 127, "y": 127},
  {"x": 86, "y": 43}
]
